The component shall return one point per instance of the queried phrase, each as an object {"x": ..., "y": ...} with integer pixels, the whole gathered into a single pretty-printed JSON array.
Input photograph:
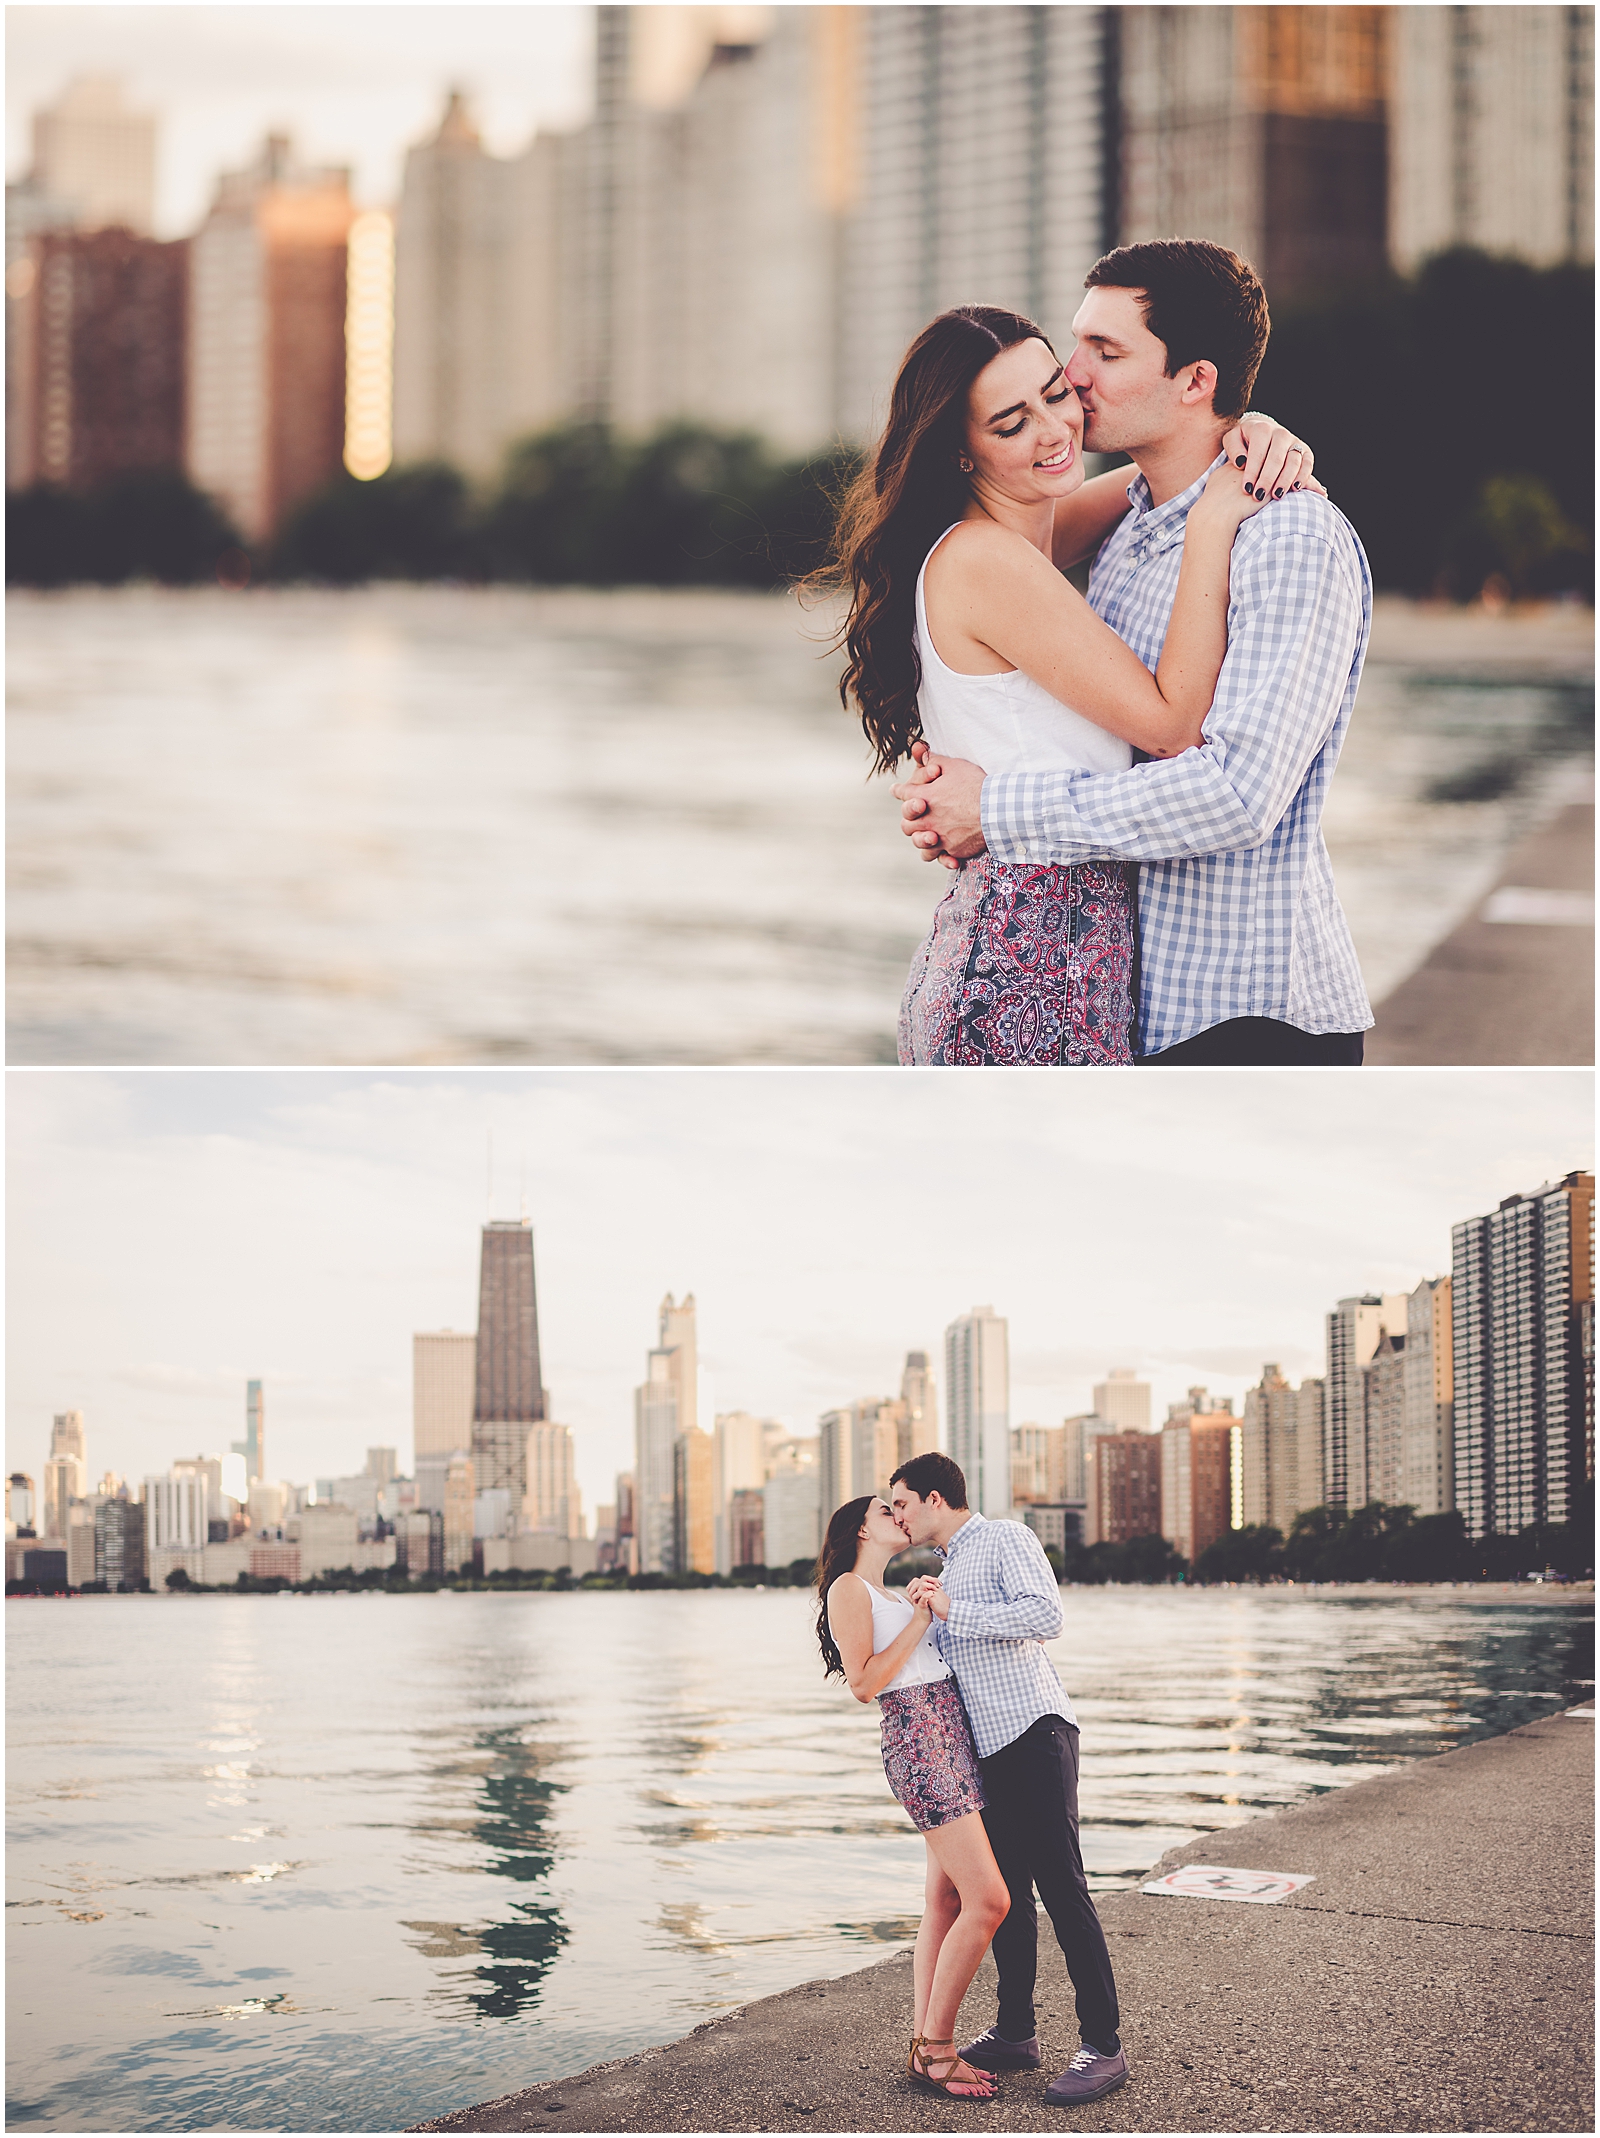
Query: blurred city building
[
  {"x": 1077, "y": 1435},
  {"x": 977, "y": 1394},
  {"x": 266, "y": 354},
  {"x": 509, "y": 1394},
  {"x": 664, "y": 1409},
  {"x": 119, "y": 1541},
  {"x": 791, "y": 1506},
  {"x": 552, "y": 1503},
  {"x": 369, "y": 347},
  {"x": 94, "y": 157},
  {"x": 477, "y": 337},
  {"x": 19, "y": 1499},
  {"x": 694, "y": 1508},
  {"x": 253, "y": 1447},
  {"x": 1038, "y": 1458},
  {"x": 1428, "y": 1469},
  {"x": 96, "y": 327},
  {"x": 919, "y": 1433},
  {"x": 1383, "y": 1395},
  {"x": 1269, "y": 1445},
  {"x": 741, "y": 1470},
  {"x": 1522, "y": 1283},
  {"x": 1124, "y": 1479},
  {"x": 858, "y": 1448},
  {"x": 1124, "y": 1399},
  {"x": 1492, "y": 131},
  {"x": 444, "y": 1368},
  {"x": 1197, "y": 1480},
  {"x": 1354, "y": 1328}
]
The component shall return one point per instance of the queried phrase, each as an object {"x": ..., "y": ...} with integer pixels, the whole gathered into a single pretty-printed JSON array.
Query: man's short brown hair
[
  {"x": 933, "y": 1473},
  {"x": 1203, "y": 302}
]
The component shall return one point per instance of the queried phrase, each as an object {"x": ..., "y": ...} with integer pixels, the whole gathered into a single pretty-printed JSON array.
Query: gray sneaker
[
  {"x": 1086, "y": 2078},
  {"x": 992, "y": 2052}
]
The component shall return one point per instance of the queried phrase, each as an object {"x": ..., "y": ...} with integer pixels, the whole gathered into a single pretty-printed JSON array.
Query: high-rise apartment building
[
  {"x": 444, "y": 1380},
  {"x": 1124, "y": 1400},
  {"x": 694, "y": 1512},
  {"x": 1038, "y": 1464},
  {"x": 1354, "y": 1327},
  {"x": 1271, "y": 1457},
  {"x": 96, "y": 157},
  {"x": 792, "y": 1514},
  {"x": 1264, "y": 128},
  {"x": 551, "y": 1502},
  {"x": 119, "y": 1534},
  {"x": 973, "y": 165},
  {"x": 1522, "y": 1284},
  {"x": 747, "y": 1528},
  {"x": 266, "y": 352},
  {"x": 858, "y": 1449},
  {"x": 1383, "y": 1396},
  {"x": 741, "y": 1467},
  {"x": 175, "y": 1513},
  {"x": 1491, "y": 137},
  {"x": 919, "y": 1431},
  {"x": 1427, "y": 1479},
  {"x": 96, "y": 349},
  {"x": 1197, "y": 1482},
  {"x": 1311, "y": 1405},
  {"x": 1076, "y": 1435},
  {"x": 509, "y": 1394},
  {"x": 1124, "y": 1480},
  {"x": 977, "y": 1393},
  {"x": 478, "y": 238}
]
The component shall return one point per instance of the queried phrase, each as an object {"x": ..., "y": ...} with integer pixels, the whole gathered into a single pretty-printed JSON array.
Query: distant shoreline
[{"x": 1543, "y": 1592}]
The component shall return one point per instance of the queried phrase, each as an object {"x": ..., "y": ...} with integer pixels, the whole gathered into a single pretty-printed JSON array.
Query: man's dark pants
[
  {"x": 1261, "y": 1042},
  {"x": 1032, "y": 1823}
]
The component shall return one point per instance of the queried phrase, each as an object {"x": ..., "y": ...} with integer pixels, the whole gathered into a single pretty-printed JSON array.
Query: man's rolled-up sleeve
[
  {"x": 1029, "y": 1604},
  {"x": 1294, "y": 621}
]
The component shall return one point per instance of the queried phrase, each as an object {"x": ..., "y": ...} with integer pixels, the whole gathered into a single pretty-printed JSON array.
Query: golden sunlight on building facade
[{"x": 369, "y": 348}]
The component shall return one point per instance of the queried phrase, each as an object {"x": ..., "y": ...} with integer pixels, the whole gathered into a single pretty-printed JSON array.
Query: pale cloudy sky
[
  {"x": 353, "y": 84},
  {"x": 173, "y": 1233}
]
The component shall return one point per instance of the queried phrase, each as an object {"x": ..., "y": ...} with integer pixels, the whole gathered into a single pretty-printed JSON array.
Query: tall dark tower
[{"x": 510, "y": 1390}]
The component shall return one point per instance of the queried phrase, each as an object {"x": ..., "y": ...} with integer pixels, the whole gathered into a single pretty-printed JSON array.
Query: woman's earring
[{"x": 964, "y": 465}]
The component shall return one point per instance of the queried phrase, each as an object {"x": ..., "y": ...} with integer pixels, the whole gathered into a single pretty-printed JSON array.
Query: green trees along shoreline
[{"x": 1452, "y": 415}]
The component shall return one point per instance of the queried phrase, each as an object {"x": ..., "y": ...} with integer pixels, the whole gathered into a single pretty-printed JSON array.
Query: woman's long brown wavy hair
[
  {"x": 838, "y": 1556},
  {"x": 905, "y": 497}
]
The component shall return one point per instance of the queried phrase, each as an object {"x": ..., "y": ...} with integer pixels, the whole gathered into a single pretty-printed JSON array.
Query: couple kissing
[
  {"x": 980, "y": 1746},
  {"x": 1129, "y": 787}
]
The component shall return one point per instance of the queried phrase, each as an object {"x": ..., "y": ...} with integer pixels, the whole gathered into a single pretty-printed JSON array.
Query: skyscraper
[
  {"x": 1124, "y": 1480},
  {"x": 1522, "y": 1286},
  {"x": 977, "y": 1384},
  {"x": 1428, "y": 1460},
  {"x": 97, "y": 322},
  {"x": 509, "y": 1394},
  {"x": 1491, "y": 131},
  {"x": 1270, "y": 1452},
  {"x": 1354, "y": 1327},
  {"x": 1124, "y": 1399},
  {"x": 552, "y": 1503},
  {"x": 741, "y": 1467},
  {"x": 266, "y": 352},
  {"x": 1076, "y": 1434},
  {"x": 920, "y": 1430},
  {"x": 66, "y": 1472},
  {"x": 1197, "y": 1473},
  {"x": 444, "y": 1369},
  {"x": 1383, "y": 1396},
  {"x": 664, "y": 1408}
]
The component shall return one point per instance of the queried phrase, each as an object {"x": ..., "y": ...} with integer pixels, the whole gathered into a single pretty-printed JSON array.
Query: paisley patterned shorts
[
  {"x": 928, "y": 1753},
  {"x": 1026, "y": 965}
]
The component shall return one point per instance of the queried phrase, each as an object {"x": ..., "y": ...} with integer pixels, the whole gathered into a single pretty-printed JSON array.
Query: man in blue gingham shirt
[
  {"x": 996, "y": 1601},
  {"x": 1245, "y": 952}
]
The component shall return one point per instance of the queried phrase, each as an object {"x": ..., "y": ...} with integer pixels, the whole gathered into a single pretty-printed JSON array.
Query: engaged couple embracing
[
  {"x": 1130, "y": 787},
  {"x": 980, "y": 1746}
]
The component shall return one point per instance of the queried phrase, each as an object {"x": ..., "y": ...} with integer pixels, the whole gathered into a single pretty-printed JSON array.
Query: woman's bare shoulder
[{"x": 980, "y": 552}]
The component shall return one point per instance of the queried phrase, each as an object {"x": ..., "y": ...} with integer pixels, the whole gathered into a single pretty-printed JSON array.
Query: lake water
[
  {"x": 343, "y": 1863},
  {"x": 434, "y": 824}
]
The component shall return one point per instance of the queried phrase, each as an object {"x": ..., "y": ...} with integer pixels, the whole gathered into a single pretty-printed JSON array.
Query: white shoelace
[{"x": 1083, "y": 2059}]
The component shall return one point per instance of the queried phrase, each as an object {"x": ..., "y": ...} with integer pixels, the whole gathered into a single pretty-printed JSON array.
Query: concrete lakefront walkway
[{"x": 1438, "y": 1975}]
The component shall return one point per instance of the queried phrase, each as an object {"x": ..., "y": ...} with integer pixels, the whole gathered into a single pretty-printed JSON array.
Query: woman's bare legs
[{"x": 967, "y": 1901}]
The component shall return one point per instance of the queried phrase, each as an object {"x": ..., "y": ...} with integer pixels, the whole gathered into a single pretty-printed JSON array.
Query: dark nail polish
[
  {"x": 1239, "y": 463},
  {"x": 1278, "y": 492}
]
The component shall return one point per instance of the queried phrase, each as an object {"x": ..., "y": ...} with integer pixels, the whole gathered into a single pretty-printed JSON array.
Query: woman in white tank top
[
  {"x": 885, "y": 1651},
  {"x": 963, "y": 632}
]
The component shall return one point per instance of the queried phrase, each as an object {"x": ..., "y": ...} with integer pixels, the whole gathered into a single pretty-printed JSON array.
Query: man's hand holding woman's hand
[
  {"x": 940, "y": 807},
  {"x": 924, "y": 1594}
]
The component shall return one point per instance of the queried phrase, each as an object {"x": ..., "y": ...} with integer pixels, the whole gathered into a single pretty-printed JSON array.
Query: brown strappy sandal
[{"x": 919, "y": 2069}]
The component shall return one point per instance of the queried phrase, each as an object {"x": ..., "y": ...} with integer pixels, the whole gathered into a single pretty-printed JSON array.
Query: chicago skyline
[{"x": 1203, "y": 1263}]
